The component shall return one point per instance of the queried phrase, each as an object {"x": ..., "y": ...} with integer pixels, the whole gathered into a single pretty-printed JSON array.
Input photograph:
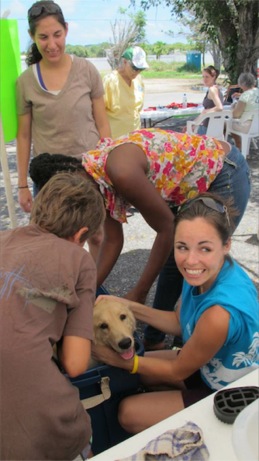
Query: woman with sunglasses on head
[
  {"x": 124, "y": 92},
  {"x": 59, "y": 97},
  {"x": 217, "y": 317},
  {"x": 245, "y": 107},
  {"x": 156, "y": 171}
]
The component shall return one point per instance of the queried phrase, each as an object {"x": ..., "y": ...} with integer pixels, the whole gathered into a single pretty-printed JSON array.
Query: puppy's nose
[{"x": 125, "y": 343}]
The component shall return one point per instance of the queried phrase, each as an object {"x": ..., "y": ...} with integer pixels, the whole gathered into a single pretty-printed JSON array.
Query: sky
[{"x": 90, "y": 21}]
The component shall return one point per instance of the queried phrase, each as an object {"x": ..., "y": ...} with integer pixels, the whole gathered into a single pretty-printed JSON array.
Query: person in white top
[{"x": 246, "y": 105}]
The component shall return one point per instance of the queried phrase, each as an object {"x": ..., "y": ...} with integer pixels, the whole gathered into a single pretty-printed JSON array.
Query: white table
[
  {"x": 150, "y": 117},
  {"x": 217, "y": 435}
]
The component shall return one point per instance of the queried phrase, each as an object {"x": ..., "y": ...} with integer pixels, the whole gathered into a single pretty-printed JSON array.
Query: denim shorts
[{"x": 234, "y": 181}]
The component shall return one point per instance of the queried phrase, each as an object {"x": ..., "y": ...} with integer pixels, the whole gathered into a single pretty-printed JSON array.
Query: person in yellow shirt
[{"x": 124, "y": 92}]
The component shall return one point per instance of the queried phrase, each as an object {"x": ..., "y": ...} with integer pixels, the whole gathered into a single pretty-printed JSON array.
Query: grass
[{"x": 160, "y": 69}]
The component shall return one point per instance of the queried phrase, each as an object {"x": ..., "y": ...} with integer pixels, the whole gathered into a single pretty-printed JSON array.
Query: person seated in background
[
  {"x": 48, "y": 285},
  {"x": 232, "y": 94},
  {"x": 213, "y": 100},
  {"x": 217, "y": 317},
  {"x": 244, "y": 108},
  {"x": 124, "y": 92}
]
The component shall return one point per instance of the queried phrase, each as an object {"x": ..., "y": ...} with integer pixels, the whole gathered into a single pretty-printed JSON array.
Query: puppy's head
[{"x": 114, "y": 325}]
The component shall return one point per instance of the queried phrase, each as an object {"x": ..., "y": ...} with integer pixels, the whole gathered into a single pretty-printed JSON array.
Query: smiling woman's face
[
  {"x": 199, "y": 252},
  {"x": 50, "y": 38}
]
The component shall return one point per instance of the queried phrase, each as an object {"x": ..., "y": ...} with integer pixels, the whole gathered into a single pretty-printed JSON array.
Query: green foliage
[
  {"x": 233, "y": 24},
  {"x": 78, "y": 50},
  {"x": 140, "y": 21},
  {"x": 127, "y": 29},
  {"x": 182, "y": 46},
  {"x": 159, "y": 49},
  {"x": 159, "y": 69},
  {"x": 159, "y": 66},
  {"x": 88, "y": 51},
  {"x": 166, "y": 48},
  {"x": 188, "y": 68}
]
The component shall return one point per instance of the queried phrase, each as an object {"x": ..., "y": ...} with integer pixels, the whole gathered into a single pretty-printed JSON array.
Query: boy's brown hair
[{"x": 67, "y": 203}]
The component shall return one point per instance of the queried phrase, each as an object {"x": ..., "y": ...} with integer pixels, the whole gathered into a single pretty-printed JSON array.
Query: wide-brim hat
[{"x": 137, "y": 56}]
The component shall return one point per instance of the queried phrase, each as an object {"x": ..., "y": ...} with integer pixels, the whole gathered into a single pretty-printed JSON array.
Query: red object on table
[{"x": 173, "y": 105}]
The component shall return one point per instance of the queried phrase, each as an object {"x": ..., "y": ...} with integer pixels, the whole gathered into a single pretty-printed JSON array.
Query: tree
[
  {"x": 127, "y": 29},
  {"x": 139, "y": 19},
  {"x": 159, "y": 49},
  {"x": 234, "y": 24},
  {"x": 78, "y": 50},
  {"x": 200, "y": 41}
]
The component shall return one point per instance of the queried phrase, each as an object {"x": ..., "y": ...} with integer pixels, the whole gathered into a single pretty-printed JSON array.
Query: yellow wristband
[{"x": 135, "y": 365}]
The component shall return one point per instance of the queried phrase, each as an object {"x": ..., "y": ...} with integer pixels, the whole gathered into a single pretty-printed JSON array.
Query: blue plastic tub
[{"x": 107, "y": 431}]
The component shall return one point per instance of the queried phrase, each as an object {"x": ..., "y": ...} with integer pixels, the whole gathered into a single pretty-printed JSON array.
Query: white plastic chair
[
  {"x": 216, "y": 126},
  {"x": 246, "y": 137}
]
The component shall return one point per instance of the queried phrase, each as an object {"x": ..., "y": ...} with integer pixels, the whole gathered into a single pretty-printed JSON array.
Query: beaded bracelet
[
  {"x": 135, "y": 365},
  {"x": 23, "y": 187}
]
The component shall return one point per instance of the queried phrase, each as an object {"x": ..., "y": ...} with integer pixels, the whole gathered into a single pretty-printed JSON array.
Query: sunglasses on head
[
  {"x": 209, "y": 202},
  {"x": 37, "y": 10},
  {"x": 135, "y": 68}
]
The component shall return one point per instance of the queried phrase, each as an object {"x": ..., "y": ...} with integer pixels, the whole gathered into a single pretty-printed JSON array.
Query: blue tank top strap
[{"x": 40, "y": 76}]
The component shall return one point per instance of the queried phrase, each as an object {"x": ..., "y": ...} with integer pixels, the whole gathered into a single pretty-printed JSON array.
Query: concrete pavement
[{"x": 160, "y": 92}]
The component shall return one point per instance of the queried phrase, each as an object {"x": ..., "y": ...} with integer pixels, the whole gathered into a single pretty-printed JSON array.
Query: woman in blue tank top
[{"x": 217, "y": 316}]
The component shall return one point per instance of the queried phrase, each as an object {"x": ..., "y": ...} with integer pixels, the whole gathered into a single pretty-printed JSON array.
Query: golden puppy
[{"x": 114, "y": 325}]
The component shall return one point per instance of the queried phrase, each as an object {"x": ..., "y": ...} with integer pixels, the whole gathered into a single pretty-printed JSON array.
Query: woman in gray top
[
  {"x": 60, "y": 100},
  {"x": 213, "y": 100}
]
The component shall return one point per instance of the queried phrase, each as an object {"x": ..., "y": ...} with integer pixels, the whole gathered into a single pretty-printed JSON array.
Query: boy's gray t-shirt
[{"x": 47, "y": 288}]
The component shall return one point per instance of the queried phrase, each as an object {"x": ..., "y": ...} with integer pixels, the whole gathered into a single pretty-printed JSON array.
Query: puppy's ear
[{"x": 132, "y": 319}]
